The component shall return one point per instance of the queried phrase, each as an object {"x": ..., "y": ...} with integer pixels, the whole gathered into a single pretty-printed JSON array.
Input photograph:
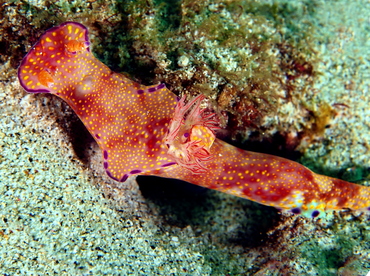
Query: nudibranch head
[
  {"x": 122, "y": 115},
  {"x": 38, "y": 69}
]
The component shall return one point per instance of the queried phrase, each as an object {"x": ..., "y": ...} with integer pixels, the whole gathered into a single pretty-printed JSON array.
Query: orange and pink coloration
[{"x": 147, "y": 130}]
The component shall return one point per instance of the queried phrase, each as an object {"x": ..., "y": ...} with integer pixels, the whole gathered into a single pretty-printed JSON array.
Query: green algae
[
  {"x": 326, "y": 260},
  {"x": 337, "y": 253},
  {"x": 239, "y": 54}
]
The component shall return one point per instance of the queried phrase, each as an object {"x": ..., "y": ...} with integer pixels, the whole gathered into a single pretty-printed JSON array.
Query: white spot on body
[{"x": 85, "y": 87}]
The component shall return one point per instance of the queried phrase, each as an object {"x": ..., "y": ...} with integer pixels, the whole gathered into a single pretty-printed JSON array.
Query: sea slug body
[{"x": 148, "y": 130}]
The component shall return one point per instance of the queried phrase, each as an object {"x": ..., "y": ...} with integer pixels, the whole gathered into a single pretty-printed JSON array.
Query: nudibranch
[{"x": 147, "y": 130}]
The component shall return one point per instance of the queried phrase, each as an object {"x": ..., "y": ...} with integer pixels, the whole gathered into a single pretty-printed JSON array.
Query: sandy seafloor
[{"x": 61, "y": 215}]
